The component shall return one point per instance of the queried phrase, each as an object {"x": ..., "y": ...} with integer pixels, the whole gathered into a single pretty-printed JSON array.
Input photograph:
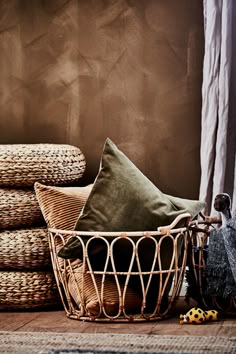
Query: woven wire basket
[
  {"x": 21, "y": 165},
  {"x": 19, "y": 208},
  {"x": 25, "y": 249},
  {"x": 140, "y": 292},
  {"x": 27, "y": 290},
  {"x": 196, "y": 272}
]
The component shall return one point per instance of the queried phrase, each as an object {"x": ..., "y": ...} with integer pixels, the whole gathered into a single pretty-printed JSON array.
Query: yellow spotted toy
[
  {"x": 211, "y": 315},
  {"x": 197, "y": 316}
]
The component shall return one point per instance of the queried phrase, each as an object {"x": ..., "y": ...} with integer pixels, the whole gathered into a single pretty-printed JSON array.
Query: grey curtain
[{"x": 218, "y": 143}]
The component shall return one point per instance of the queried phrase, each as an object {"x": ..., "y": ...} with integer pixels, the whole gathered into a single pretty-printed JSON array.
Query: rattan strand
[
  {"x": 21, "y": 165},
  {"x": 199, "y": 234},
  {"x": 27, "y": 290},
  {"x": 25, "y": 249},
  {"x": 19, "y": 208},
  {"x": 83, "y": 276}
]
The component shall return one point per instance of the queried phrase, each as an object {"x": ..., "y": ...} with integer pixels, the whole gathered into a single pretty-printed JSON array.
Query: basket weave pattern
[
  {"x": 19, "y": 208},
  {"x": 25, "y": 249},
  {"x": 27, "y": 290},
  {"x": 158, "y": 278},
  {"x": 26, "y": 276},
  {"x": 54, "y": 164}
]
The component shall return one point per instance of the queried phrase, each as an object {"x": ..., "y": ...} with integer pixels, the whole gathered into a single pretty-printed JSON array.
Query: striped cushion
[
  {"x": 81, "y": 286},
  {"x": 61, "y": 206}
]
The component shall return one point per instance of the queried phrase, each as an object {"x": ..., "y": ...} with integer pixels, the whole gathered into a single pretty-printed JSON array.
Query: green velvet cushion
[
  {"x": 187, "y": 205},
  {"x": 123, "y": 199}
]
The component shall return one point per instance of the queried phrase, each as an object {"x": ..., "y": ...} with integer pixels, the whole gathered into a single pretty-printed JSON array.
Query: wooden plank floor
[{"x": 56, "y": 321}]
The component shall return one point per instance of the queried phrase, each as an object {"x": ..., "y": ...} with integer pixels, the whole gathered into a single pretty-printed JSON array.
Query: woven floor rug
[{"x": 102, "y": 343}]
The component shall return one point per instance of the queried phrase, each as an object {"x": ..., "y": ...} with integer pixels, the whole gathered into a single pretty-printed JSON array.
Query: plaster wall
[{"x": 77, "y": 72}]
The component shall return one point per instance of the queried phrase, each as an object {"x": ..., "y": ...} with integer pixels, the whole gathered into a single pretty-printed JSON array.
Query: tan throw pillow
[
  {"x": 110, "y": 299},
  {"x": 61, "y": 206}
]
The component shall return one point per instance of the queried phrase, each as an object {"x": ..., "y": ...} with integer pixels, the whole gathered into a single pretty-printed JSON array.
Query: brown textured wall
[{"x": 78, "y": 71}]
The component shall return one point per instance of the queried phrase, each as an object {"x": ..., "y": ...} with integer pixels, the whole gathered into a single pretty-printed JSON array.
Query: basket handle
[
  {"x": 208, "y": 219},
  {"x": 166, "y": 229}
]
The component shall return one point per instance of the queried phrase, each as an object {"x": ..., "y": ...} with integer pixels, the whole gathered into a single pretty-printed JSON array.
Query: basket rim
[
  {"x": 114, "y": 233},
  {"x": 161, "y": 230}
]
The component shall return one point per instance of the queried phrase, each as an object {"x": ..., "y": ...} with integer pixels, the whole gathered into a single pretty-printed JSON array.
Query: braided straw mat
[
  {"x": 25, "y": 249},
  {"x": 112, "y": 343},
  {"x": 19, "y": 208},
  {"x": 21, "y": 165},
  {"x": 19, "y": 290}
]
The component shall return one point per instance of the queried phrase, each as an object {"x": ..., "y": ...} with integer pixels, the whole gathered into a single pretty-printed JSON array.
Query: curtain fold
[{"x": 215, "y": 100}]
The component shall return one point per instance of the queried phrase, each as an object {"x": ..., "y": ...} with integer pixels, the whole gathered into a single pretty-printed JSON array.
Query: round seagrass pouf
[
  {"x": 26, "y": 290},
  {"x": 19, "y": 208},
  {"x": 21, "y": 165},
  {"x": 25, "y": 249}
]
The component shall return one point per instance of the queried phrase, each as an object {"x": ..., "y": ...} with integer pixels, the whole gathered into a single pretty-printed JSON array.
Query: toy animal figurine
[
  {"x": 222, "y": 203},
  {"x": 197, "y": 316}
]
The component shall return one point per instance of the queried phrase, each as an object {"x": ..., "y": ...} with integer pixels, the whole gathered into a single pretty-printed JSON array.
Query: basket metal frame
[{"x": 62, "y": 268}]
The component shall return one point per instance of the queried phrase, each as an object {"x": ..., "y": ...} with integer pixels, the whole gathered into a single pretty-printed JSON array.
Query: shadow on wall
[{"x": 79, "y": 71}]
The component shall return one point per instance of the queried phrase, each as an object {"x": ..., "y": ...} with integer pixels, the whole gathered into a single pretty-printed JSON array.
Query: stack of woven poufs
[{"x": 26, "y": 275}]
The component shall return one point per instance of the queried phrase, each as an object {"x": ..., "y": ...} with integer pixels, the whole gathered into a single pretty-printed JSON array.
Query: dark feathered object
[{"x": 219, "y": 277}]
